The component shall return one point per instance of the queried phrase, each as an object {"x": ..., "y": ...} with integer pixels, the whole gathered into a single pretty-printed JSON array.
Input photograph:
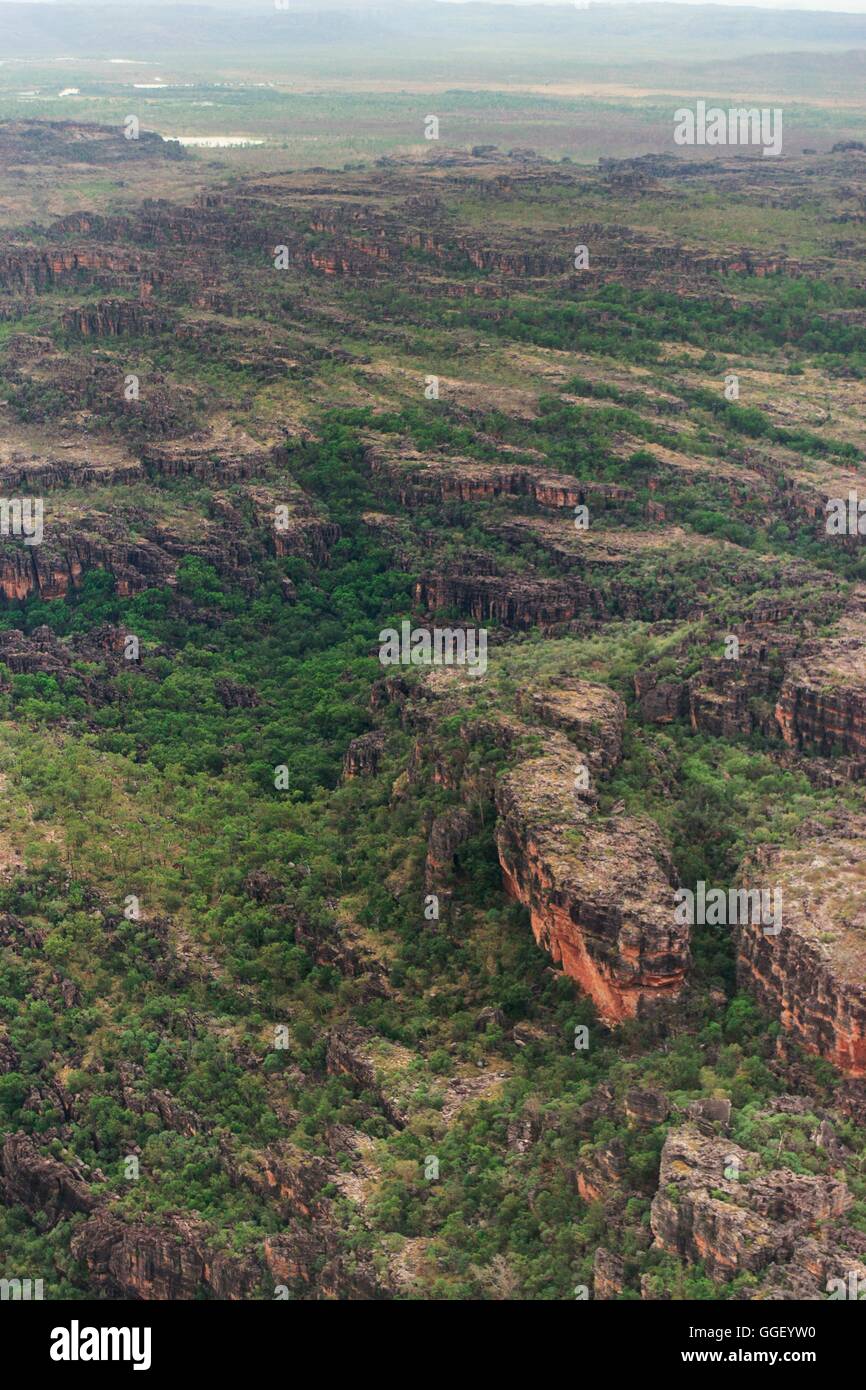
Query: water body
[{"x": 213, "y": 142}]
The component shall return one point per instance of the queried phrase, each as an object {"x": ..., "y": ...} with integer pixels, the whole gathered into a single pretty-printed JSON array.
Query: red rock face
[
  {"x": 416, "y": 479},
  {"x": 794, "y": 983},
  {"x": 827, "y": 721},
  {"x": 17, "y": 574},
  {"x": 822, "y": 702},
  {"x": 598, "y": 900},
  {"x": 55, "y": 568},
  {"x": 513, "y": 603},
  {"x": 172, "y": 1261},
  {"x": 601, "y": 1171},
  {"x": 812, "y": 974},
  {"x": 29, "y": 268}
]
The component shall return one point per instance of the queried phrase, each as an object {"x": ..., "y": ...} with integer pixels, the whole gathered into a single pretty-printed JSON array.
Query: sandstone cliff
[
  {"x": 598, "y": 889},
  {"x": 822, "y": 703},
  {"x": 173, "y": 1260},
  {"x": 812, "y": 974}
]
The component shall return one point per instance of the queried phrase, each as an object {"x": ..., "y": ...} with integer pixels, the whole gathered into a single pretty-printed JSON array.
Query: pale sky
[
  {"x": 823, "y": 6},
  {"x": 835, "y": 6}
]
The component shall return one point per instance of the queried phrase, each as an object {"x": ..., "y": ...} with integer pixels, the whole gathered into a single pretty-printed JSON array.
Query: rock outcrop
[
  {"x": 313, "y": 1261},
  {"x": 608, "y": 1274},
  {"x": 593, "y": 717},
  {"x": 726, "y": 697},
  {"x": 351, "y": 1052},
  {"x": 506, "y": 602},
  {"x": 646, "y": 1107},
  {"x": 601, "y": 1170},
  {"x": 598, "y": 889},
  {"x": 47, "y": 1189},
  {"x": 660, "y": 701},
  {"x": 448, "y": 832},
  {"x": 822, "y": 703},
  {"x": 364, "y": 755},
  {"x": 171, "y": 1261},
  {"x": 416, "y": 479},
  {"x": 716, "y": 1205},
  {"x": 811, "y": 975}
]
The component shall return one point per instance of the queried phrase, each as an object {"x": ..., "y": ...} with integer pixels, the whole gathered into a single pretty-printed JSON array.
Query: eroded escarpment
[
  {"x": 139, "y": 1261},
  {"x": 395, "y": 1018},
  {"x": 415, "y": 478},
  {"x": 511, "y": 602},
  {"x": 718, "y": 1204},
  {"x": 805, "y": 694},
  {"x": 598, "y": 889},
  {"x": 728, "y": 689},
  {"x": 822, "y": 702},
  {"x": 724, "y": 1204},
  {"x": 143, "y": 549},
  {"x": 734, "y": 698},
  {"x": 811, "y": 974}
]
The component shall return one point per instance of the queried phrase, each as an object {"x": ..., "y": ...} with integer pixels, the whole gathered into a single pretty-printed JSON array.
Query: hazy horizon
[{"x": 813, "y": 6}]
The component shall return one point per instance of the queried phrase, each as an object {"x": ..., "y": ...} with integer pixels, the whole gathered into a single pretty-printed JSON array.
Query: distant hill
[{"x": 163, "y": 31}]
